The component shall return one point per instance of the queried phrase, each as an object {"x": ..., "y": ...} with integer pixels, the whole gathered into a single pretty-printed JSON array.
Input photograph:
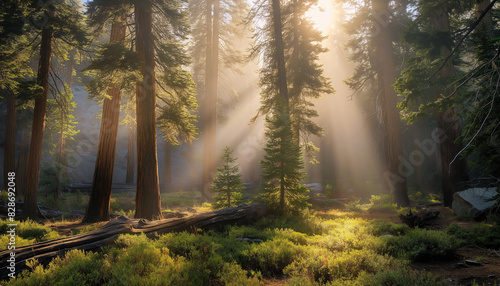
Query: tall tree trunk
[
  {"x": 486, "y": 25},
  {"x": 280, "y": 52},
  {"x": 453, "y": 174},
  {"x": 283, "y": 111},
  {"x": 9, "y": 156},
  {"x": 62, "y": 162},
  {"x": 167, "y": 164},
  {"x": 100, "y": 195},
  {"x": 130, "y": 154},
  {"x": 22, "y": 163},
  {"x": 147, "y": 201},
  {"x": 38, "y": 127},
  {"x": 391, "y": 122},
  {"x": 210, "y": 102}
]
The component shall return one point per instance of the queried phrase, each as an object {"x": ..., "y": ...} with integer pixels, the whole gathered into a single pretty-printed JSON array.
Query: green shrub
[
  {"x": 325, "y": 266},
  {"x": 381, "y": 227},
  {"x": 398, "y": 277},
  {"x": 272, "y": 256},
  {"x": 421, "y": 245},
  {"x": 483, "y": 235},
  {"x": 75, "y": 268},
  {"x": 233, "y": 275},
  {"x": 27, "y": 233}
]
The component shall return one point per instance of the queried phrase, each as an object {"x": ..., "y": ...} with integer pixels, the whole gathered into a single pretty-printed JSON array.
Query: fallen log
[{"x": 44, "y": 252}]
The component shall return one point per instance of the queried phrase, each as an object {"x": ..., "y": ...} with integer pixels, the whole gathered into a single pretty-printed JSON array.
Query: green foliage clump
[
  {"x": 324, "y": 266},
  {"x": 380, "y": 227},
  {"x": 227, "y": 182},
  {"x": 421, "y": 245},
  {"x": 399, "y": 277},
  {"x": 272, "y": 256},
  {"x": 282, "y": 166},
  {"x": 483, "y": 235},
  {"x": 385, "y": 201},
  {"x": 27, "y": 233}
]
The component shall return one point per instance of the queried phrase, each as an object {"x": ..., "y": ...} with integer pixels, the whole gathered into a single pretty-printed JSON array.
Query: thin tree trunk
[
  {"x": 130, "y": 154},
  {"x": 100, "y": 195},
  {"x": 167, "y": 164},
  {"x": 210, "y": 102},
  {"x": 22, "y": 163},
  {"x": 62, "y": 157},
  {"x": 391, "y": 122},
  {"x": 9, "y": 156},
  {"x": 450, "y": 146},
  {"x": 147, "y": 202},
  {"x": 38, "y": 127}
]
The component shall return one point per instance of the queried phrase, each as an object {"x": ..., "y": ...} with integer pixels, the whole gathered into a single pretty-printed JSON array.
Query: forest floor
[{"x": 455, "y": 271}]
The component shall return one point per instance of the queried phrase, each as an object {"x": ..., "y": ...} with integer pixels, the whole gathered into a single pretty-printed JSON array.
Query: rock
[
  {"x": 315, "y": 187},
  {"x": 249, "y": 240},
  {"x": 473, "y": 263},
  {"x": 460, "y": 265},
  {"x": 472, "y": 203}
]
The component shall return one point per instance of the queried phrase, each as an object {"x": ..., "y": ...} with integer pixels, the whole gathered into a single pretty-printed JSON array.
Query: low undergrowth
[
  {"x": 300, "y": 251},
  {"x": 27, "y": 233}
]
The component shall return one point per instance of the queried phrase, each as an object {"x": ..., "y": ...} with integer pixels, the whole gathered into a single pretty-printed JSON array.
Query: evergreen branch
[
  {"x": 482, "y": 124},
  {"x": 471, "y": 28}
]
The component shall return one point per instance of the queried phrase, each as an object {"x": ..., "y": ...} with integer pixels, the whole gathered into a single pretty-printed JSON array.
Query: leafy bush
[
  {"x": 398, "y": 277},
  {"x": 421, "y": 245},
  {"x": 347, "y": 265},
  {"x": 272, "y": 256},
  {"x": 384, "y": 201},
  {"x": 27, "y": 233},
  {"x": 381, "y": 227},
  {"x": 483, "y": 235}
]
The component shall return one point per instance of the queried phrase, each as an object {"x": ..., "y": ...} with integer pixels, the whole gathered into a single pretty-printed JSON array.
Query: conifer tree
[
  {"x": 227, "y": 182},
  {"x": 217, "y": 26},
  {"x": 373, "y": 46},
  {"x": 64, "y": 22},
  {"x": 282, "y": 166},
  {"x": 14, "y": 69},
  {"x": 304, "y": 75},
  {"x": 163, "y": 89}
]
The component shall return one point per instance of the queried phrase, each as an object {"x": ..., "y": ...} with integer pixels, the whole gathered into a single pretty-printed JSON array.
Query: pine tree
[
  {"x": 216, "y": 28},
  {"x": 282, "y": 166},
  {"x": 374, "y": 47},
  {"x": 432, "y": 71},
  {"x": 304, "y": 75},
  {"x": 99, "y": 201},
  {"x": 14, "y": 69},
  {"x": 227, "y": 182},
  {"x": 64, "y": 21},
  {"x": 164, "y": 91}
]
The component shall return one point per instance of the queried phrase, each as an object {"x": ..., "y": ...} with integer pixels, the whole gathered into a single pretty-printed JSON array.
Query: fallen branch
[{"x": 44, "y": 252}]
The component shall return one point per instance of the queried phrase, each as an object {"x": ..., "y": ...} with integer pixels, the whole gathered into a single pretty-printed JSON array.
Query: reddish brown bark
[
  {"x": 391, "y": 122},
  {"x": 38, "y": 127},
  {"x": 99, "y": 202},
  {"x": 453, "y": 175},
  {"x": 147, "y": 202},
  {"x": 9, "y": 158}
]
